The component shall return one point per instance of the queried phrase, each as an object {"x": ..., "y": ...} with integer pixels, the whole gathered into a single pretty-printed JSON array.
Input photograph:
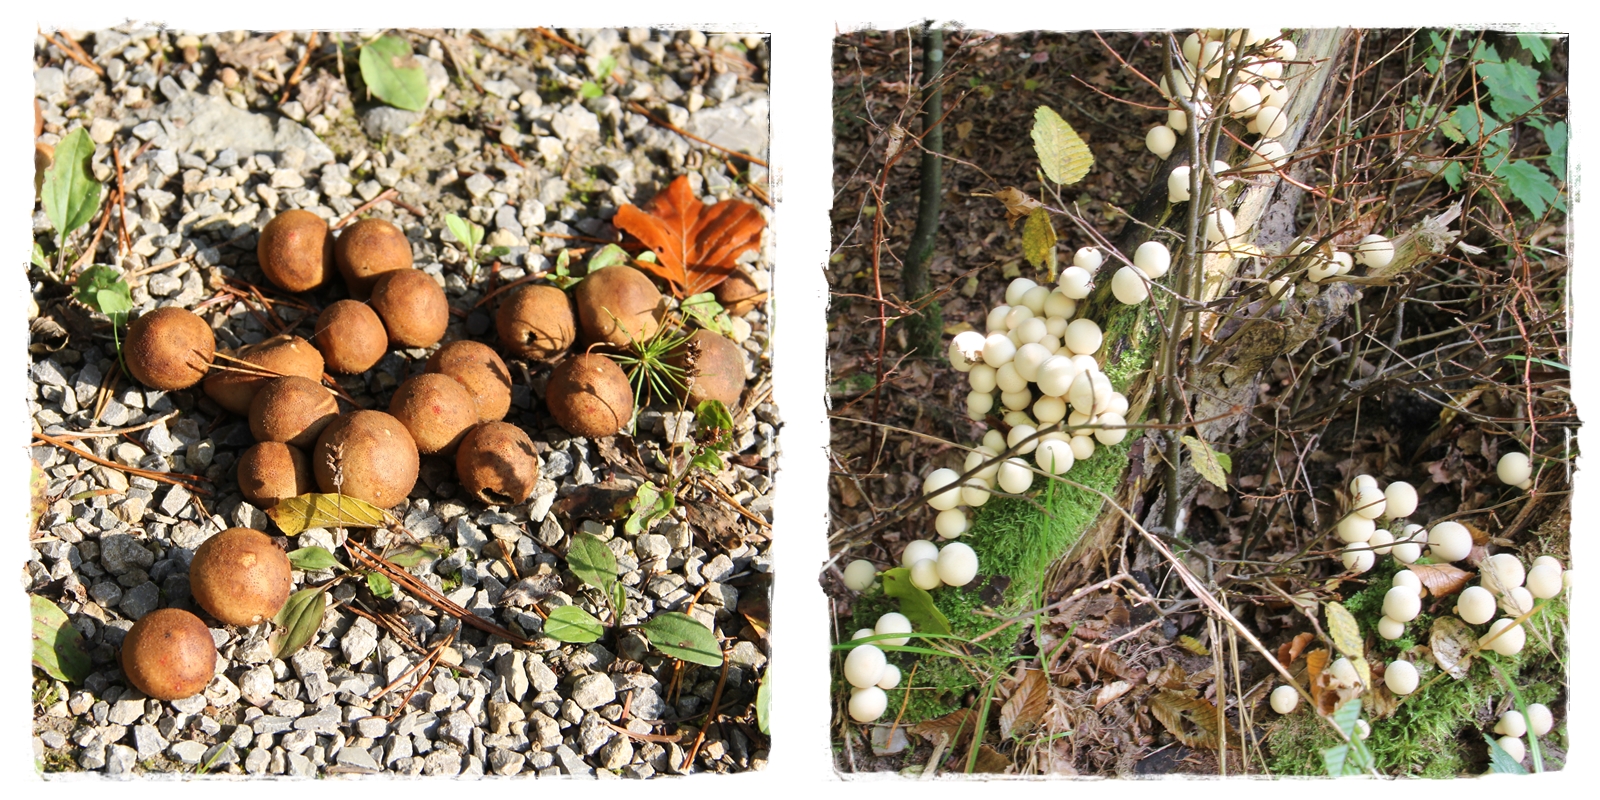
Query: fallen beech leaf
[
  {"x": 954, "y": 725},
  {"x": 1110, "y": 692},
  {"x": 1441, "y": 579},
  {"x": 1193, "y": 720},
  {"x": 1449, "y": 641},
  {"x": 696, "y": 245},
  {"x": 991, "y": 762},
  {"x": 1018, "y": 205},
  {"x": 1026, "y": 706},
  {"x": 1290, "y": 651}
]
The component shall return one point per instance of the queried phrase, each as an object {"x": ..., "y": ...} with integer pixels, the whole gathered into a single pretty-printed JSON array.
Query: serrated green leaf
[
  {"x": 298, "y": 621},
  {"x": 1452, "y": 174},
  {"x": 915, "y": 603},
  {"x": 70, "y": 193},
  {"x": 1530, "y": 185},
  {"x": 1038, "y": 238},
  {"x": 683, "y": 637},
  {"x": 1062, "y": 153},
  {"x": 764, "y": 703},
  {"x": 1513, "y": 86},
  {"x": 57, "y": 645},
  {"x": 1207, "y": 462},
  {"x": 1345, "y": 632},
  {"x": 592, "y": 561},
  {"x": 573, "y": 624},
  {"x": 312, "y": 558},
  {"x": 607, "y": 256},
  {"x": 297, "y": 514},
  {"x": 1535, "y": 45},
  {"x": 1501, "y": 762},
  {"x": 393, "y": 75},
  {"x": 1333, "y": 760},
  {"x": 380, "y": 585}
]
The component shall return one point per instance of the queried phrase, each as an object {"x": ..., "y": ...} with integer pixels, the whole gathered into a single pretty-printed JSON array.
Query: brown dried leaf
[
  {"x": 1441, "y": 579},
  {"x": 696, "y": 245},
  {"x": 990, "y": 762},
  {"x": 953, "y": 725},
  {"x": 253, "y": 53},
  {"x": 1450, "y": 641},
  {"x": 1290, "y": 651},
  {"x": 1110, "y": 692},
  {"x": 1107, "y": 662},
  {"x": 713, "y": 518},
  {"x": 597, "y": 501},
  {"x": 1316, "y": 662},
  {"x": 1026, "y": 706},
  {"x": 1018, "y": 204},
  {"x": 1193, "y": 720}
]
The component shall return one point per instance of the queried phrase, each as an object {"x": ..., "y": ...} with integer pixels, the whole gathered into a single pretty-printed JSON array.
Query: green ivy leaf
[
  {"x": 312, "y": 558},
  {"x": 393, "y": 75},
  {"x": 57, "y": 645},
  {"x": 1207, "y": 462},
  {"x": 380, "y": 585},
  {"x": 1062, "y": 153},
  {"x": 70, "y": 193},
  {"x": 683, "y": 637},
  {"x": 915, "y": 603},
  {"x": 573, "y": 624},
  {"x": 298, "y": 621},
  {"x": 592, "y": 561},
  {"x": 1530, "y": 185}
]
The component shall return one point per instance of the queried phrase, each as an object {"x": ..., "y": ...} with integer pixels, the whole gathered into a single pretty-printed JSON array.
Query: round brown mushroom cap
[
  {"x": 717, "y": 372},
  {"x": 296, "y": 251},
  {"x": 367, "y": 455},
  {"x": 412, "y": 306},
  {"x": 169, "y": 348},
  {"x": 618, "y": 305},
  {"x": 739, "y": 293},
  {"x": 292, "y": 410},
  {"x": 169, "y": 654},
  {"x": 589, "y": 395},
  {"x": 498, "y": 464},
  {"x": 436, "y": 410},
  {"x": 240, "y": 576},
  {"x": 479, "y": 368},
  {"x": 536, "y": 323},
  {"x": 350, "y": 337},
  {"x": 274, "y": 471},
  {"x": 368, "y": 248},
  {"x": 233, "y": 388}
]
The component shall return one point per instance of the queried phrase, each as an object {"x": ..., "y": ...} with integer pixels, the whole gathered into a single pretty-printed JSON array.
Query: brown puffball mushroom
[
  {"x": 479, "y": 368},
  {"x": 169, "y": 654},
  {"x": 368, "y": 248},
  {"x": 292, "y": 410},
  {"x": 536, "y": 323},
  {"x": 718, "y": 371},
  {"x": 436, "y": 410},
  {"x": 739, "y": 293},
  {"x": 367, "y": 455},
  {"x": 350, "y": 336},
  {"x": 618, "y": 305},
  {"x": 240, "y": 576},
  {"x": 296, "y": 251},
  {"x": 169, "y": 348},
  {"x": 589, "y": 395},
  {"x": 412, "y": 306},
  {"x": 234, "y": 388},
  {"x": 498, "y": 464},
  {"x": 274, "y": 471}
]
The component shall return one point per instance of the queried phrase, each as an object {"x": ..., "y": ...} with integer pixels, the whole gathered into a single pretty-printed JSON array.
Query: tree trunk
[{"x": 925, "y": 328}]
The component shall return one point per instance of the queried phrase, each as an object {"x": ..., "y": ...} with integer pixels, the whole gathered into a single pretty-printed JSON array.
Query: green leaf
[
  {"x": 1535, "y": 45},
  {"x": 298, "y": 621},
  {"x": 380, "y": 585},
  {"x": 393, "y": 75},
  {"x": 407, "y": 556},
  {"x": 649, "y": 504},
  {"x": 1555, "y": 137},
  {"x": 573, "y": 624},
  {"x": 704, "y": 310},
  {"x": 1039, "y": 239},
  {"x": 607, "y": 256},
  {"x": 1062, "y": 154},
  {"x": 561, "y": 273},
  {"x": 1029, "y": 84},
  {"x": 312, "y": 558},
  {"x": 467, "y": 232},
  {"x": 764, "y": 703},
  {"x": 103, "y": 289},
  {"x": 1513, "y": 86},
  {"x": 707, "y": 460},
  {"x": 1501, "y": 762},
  {"x": 38, "y": 258},
  {"x": 713, "y": 425},
  {"x": 1353, "y": 758},
  {"x": 1530, "y": 185},
  {"x": 604, "y": 68},
  {"x": 70, "y": 193},
  {"x": 590, "y": 89},
  {"x": 592, "y": 561},
  {"x": 1207, "y": 462},
  {"x": 915, "y": 603},
  {"x": 297, "y": 514},
  {"x": 57, "y": 645},
  {"x": 683, "y": 637},
  {"x": 1452, "y": 174}
]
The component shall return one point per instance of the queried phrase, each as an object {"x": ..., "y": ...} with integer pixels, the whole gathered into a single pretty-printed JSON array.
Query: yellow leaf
[
  {"x": 1207, "y": 462},
  {"x": 1039, "y": 240},
  {"x": 296, "y": 514},
  {"x": 1345, "y": 632},
  {"x": 1193, "y": 645},
  {"x": 1062, "y": 153}
]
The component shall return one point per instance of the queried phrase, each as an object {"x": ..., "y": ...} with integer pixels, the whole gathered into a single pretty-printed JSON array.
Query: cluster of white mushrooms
[
  {"x": 1513, "y": 725},
  {"x": 1364, "y": 541}
]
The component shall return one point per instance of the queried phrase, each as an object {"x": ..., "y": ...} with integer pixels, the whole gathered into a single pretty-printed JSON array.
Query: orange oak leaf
[{"x": 695, "y": 244}]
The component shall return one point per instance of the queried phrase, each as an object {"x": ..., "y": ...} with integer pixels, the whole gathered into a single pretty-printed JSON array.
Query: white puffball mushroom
[
  {"x": 867, "y": 705},
  {"x": 1118, "y": 404},
  {"x": 1022, "y": 437},
  {"x": 1048, "y": 410},
  {"x": 1356, "y": 557},
  {"x": 1246, "y": 100},
  {"x": 958, "y": 564},
  {"x": 1401, "y": 677},
  {"x": 1344, "y": 671},
  {"x": 1345, "y": 262},
  {"x": 1029, "y": 357},
  {"x": 1178, "y": 121},
  {"x": 1375, "y": 250},
  {"x": 944, "y": 482},
  {"x": 1267, "y": 156},
  {"x": 1113, "y": 429},
  {"x": 1275, "y": 93},
  {"x": 1285, "y": 699},
  {"x": 1400, "y": 499},
  {"x": 1217, "y": 168},
  {"x": 1408, "y": 579},
  {"x": 1362, "y": 482},
  {"x": 975, "y": 492},
  {"x": 1009, "y": 379},
  {"x": 1283, "y": 50},
  {"x": 893, "y": 622},
  {"x": 1191, "y": 47},
  {"x": 1088, "y": 258},
  {"x": 1076, "y": 282},
  {"x": 995, "y": 322},
  {"x": 1034, "y": 299},
  {"x": 1363, "y": 729},
  {"x": 1391, "y": 629},
  {"x": 1551, "y": 560},
  {"x": 862, "y": 633},
  {"x": 860, "y": 574},
  {"x": 1054, "y": 456},
  {"x": 1449, "y": 541},
  {"x": 970, "y": 345},
  {"x": 1544, "y": 581},
  {"x": 1513, "y": 747},
  {"x": 925, "y": 574},
  {"x": 1517, "y": 602},
  {"x": 1081, "y": 394},
  {"x": 1502, "y": 572},
  {"x": 1219, "y": 225},
  {"x": 1281, "y": 289},
  {"x": 1355, "y": 529},
  {"x": 1015, "y": 477},
  {"x": 1368, "y": 502},
  {"x": 1016, "y": 316},
  {"x": 981, "y": 378},
  {"x": 1082, "y": 447},
  {"x": 1056, "y": 375},
  {"x": 1129, "y": 287},
  {"x": 1083, "y": 337},
  {"x": 1540, "y": 720},
  {"x": 1381, "y": 542},
  {"x": 1475, "y": 605},
  {"x": 1017, "y": 289},
  {"x": 864, "y": 666},
  {"x": 1402, "y": 604},
  {"x": 1016, "y": 401},
  {"x": 1178, "y": 184},
  {"x": 1153, "y": 259},
  {"x": 998, "y": 350},
  {"x": 979, "y": 404},
  {"x": 995, "y": 441},
  {"x": 1058, "y": 306},
  {"x": 1160, "y": 140},
  {"x": 951, "y": 524},
  {"x": 917, "y": 550},
  {"x": 1271, "y": 122},
  {"x": 1406, "y": 552},
  {"x": 1514, "y": 468},
  {"x": 1031, "y": 331},
  {"x": 1511, "y": 723},
  {"x": 891, "y": 677},
  {"x": 1506, "y": 643}
]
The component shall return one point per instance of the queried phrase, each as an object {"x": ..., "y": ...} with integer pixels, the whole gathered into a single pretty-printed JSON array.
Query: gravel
[{"x": 207, "y": 158}]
